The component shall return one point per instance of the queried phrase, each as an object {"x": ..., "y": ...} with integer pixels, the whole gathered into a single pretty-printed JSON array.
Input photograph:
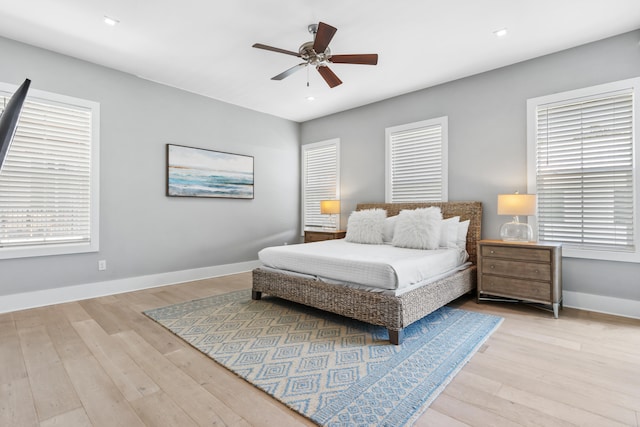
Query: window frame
[
  {"x": 311, "y": 146},
  {"x": 443, "y": 122},
  {"x": 65, "y": 248},
  {"x": 568, "y": 97}
]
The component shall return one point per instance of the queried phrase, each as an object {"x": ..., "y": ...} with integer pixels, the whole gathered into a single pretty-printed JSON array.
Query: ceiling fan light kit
[{"x": 318, "y": 54}]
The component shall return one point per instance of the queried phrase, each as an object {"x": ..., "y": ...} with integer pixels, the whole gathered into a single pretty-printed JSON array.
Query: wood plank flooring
[{"x": 101, "y": 362}]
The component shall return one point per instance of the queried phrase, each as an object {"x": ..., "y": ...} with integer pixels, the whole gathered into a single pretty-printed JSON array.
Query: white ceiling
[{"x": 204, "y": 46}]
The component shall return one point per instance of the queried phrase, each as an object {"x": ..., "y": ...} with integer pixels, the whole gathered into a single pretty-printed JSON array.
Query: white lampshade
[
  {"x": 516, "y": 204},
  {"x": 330, "y": 207}
]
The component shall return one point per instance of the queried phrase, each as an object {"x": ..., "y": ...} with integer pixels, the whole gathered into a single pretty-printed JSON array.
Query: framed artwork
[{"x": 196, "y": 172}]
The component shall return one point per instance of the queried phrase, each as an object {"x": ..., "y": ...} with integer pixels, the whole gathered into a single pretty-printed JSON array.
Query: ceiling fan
[{"x": 317, "y": 53}]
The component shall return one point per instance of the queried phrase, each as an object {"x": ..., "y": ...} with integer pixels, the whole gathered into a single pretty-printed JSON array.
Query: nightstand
[
  {"x": 521, "y": 271},
  {"x": 319, "y": 235}
]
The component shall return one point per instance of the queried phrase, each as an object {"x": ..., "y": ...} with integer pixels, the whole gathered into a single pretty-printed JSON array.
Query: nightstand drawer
[
  {"x": 526, "y": 254},
  {"x": 318, "y": 236},
  {"x": 521, "y": 269},
  {"x": 516, "y": 288}
]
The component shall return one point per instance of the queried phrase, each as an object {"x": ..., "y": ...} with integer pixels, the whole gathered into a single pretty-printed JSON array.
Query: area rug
[{"x": 333, "y": 370}]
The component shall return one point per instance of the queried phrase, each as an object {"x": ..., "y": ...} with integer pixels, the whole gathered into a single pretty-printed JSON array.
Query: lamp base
[
  {"x": 331, "y": 225},
  {"x": 516, "y": 232}
]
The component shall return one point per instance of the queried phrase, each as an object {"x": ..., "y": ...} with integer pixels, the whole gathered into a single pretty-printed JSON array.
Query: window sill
[
  {"x": 49, "y": 250},
  {"x": 601, "y": 255}
]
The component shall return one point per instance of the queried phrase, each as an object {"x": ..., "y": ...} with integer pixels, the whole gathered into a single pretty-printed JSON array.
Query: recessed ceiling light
[
  {"x": 311, "y": 98},
  {"x": 110, "y": 21},
  {"x": 501, "y": 32}
]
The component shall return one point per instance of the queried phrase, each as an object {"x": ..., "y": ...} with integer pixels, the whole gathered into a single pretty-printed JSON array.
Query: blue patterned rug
[{"x": 333, "y": 370}]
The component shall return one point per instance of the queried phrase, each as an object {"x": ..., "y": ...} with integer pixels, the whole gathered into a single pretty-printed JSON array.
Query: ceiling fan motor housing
[{"x": 311, "y": 56}]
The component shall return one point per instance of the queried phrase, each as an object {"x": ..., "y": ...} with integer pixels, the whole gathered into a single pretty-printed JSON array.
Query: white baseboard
[
  {"x": 602, "y": 304},
  {"x": 34, "y": 299},
  {"x": 22, "y": 301}
]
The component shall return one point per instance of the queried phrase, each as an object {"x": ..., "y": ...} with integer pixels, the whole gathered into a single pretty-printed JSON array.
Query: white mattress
[{"x": 376, "y": 266}]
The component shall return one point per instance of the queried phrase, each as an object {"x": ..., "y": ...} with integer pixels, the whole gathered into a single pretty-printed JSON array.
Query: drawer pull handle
[
  {"x": 491, "y": 252},
  {"x": 492, "y": 267}
]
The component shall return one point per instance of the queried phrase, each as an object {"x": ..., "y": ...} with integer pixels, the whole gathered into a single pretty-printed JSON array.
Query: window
[
  {"x": 320, "y": 180},
  {"x": 416, "y": 162},
  {"x": 581, "y": 157},
  {"x": 49, "y": 182}
]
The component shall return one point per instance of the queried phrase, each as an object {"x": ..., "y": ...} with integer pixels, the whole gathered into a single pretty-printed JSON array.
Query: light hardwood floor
[{"x": 100, "y": 362}]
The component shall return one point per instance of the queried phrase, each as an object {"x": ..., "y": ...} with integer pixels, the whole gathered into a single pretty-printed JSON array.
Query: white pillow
[
  {"x": 449, "y": 232},
  {"x": 366, "y": 226},
  {"x": 418, "y": 229},
  {"x": 389, "y": 227},
  {"x": 463, "y": 227}
]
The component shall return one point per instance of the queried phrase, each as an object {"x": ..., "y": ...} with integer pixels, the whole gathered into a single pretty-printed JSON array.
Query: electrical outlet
[{"x": 102, "y": 264}]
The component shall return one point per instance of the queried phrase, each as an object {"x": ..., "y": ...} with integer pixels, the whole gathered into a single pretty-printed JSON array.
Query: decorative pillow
[
  {"x": 463, "y": 227},
  {"x": 389, "y": 227},
  {"x": 449, "y": 232},
  {"x": 366, "y": 226},
  {"x": 418, "y": 229}
]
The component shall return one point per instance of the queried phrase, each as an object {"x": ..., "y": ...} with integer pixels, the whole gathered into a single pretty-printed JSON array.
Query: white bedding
[{"x": 377, "y": 266}]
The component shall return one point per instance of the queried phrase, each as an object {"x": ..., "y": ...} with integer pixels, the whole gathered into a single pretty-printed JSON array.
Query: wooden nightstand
[
  {"x": 319, "y": 235},
  {"x": 522, "y": 271}
]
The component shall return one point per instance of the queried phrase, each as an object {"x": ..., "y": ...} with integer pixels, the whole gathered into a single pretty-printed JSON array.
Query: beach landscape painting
[{"x": 196, "y": 172}]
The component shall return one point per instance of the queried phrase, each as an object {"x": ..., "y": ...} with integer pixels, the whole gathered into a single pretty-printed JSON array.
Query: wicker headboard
[{"x": 471, "y": 211}]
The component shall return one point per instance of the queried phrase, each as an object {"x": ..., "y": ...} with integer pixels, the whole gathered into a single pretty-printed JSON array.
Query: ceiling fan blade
[
  {"x": 323, "y": 37},
  {"x": 365, "y": 59},
  {"x": 329, "y": 76},
  {"x": 275, "y": 49},
  {"x": 289, "y": 71}
]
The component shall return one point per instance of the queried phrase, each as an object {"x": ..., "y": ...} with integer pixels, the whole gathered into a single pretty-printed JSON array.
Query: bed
[{"x": 394, "y": 312}]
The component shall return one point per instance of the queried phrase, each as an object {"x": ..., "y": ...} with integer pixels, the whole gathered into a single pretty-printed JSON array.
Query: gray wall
[
  {"x": 487, "y": 139},
  {"x": 142, "y": 231}
]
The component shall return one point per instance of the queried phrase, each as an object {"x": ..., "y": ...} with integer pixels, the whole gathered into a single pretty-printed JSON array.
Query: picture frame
[{"x": 198, "y": 172}]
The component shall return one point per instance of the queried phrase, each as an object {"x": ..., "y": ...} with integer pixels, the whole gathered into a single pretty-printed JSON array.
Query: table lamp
[
  {"x": 516, "y": 205},
  {"x": 331, "y": 208}
]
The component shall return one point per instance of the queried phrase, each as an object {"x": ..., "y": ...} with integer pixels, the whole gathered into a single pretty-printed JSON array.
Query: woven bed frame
[{"x": 393, "y": 312}]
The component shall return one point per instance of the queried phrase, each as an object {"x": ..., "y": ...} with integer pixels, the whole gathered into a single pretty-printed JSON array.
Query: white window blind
[
  {"x": 47, "y": 182},
  {"x": 584, "y": 167},
  {"x": 321, "y": 180},
  {"x": 417, "y": 162}
]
